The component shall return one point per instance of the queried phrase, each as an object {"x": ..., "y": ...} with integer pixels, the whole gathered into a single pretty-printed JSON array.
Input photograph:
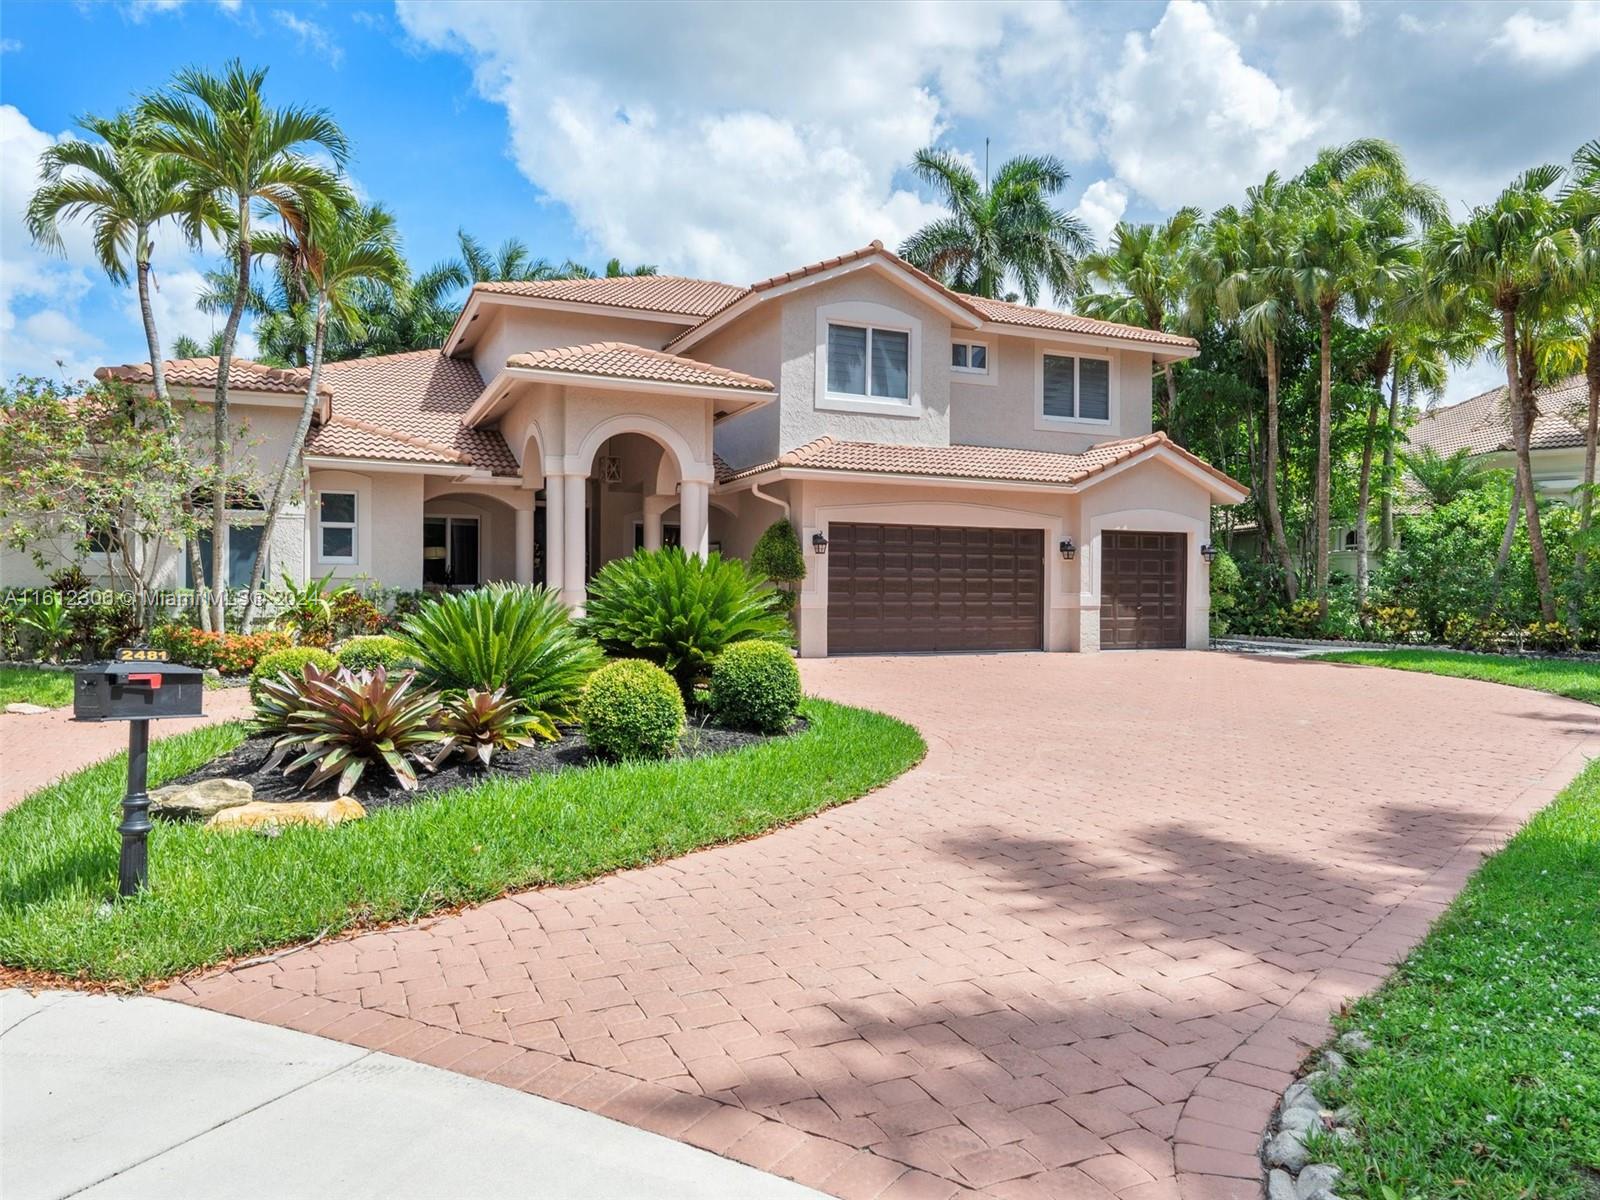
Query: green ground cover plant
[
  {"x": 1565, "y": 677},
  {"x": 29, "y": 685}
]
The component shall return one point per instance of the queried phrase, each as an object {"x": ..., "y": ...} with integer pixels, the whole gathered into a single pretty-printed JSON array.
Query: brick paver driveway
[{"x": 1076, "y": 953}]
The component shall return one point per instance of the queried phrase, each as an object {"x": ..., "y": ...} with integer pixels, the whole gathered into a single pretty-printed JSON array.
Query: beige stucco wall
[
  {"x": 388, "y": 526},
  {"x": 1004, "y": 413},
  {"x": 512, "y": 330},
  {"x": 753, "y": 345}
]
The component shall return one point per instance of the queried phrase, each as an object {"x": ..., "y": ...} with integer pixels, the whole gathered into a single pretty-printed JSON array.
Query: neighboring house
[
  {"x": 964, "y": 474},
  {"x": 1483, "y": 426}
]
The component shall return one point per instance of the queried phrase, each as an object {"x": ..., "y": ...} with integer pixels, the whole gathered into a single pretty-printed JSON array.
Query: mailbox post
[{"x": 140, "y": 686}]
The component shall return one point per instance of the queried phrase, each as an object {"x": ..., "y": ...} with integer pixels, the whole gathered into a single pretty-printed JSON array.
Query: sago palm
[
  {"x": 1148, "y": 273},
  {"x": 1003, "y": 230},
  {"x": 237, "y": 152}
]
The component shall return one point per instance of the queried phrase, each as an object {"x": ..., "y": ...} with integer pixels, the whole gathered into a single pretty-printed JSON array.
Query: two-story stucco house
[{"x": 964, "y": 473}]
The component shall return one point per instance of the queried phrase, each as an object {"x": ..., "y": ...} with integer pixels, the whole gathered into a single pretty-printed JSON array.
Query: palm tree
[
  {"x": 1418, "y": 364},
  {"x": 613, "y": 270},
  {"x": 1509, "y": 256},
  {"x": 184, "y": 346},
  {"x": 123, "y": 193},
  {"x": 333, "y": 251},
  {"x": 1243, "y": 267},
  {"x": 1351, "y": 248},
  {"x": 237, "y": 151},
  {"x": 1581, "y": 200},
  {"x": 998, "y": 230},
  {"x": 1446, "y": 477},
  {"x": 1148, "y": 273}
]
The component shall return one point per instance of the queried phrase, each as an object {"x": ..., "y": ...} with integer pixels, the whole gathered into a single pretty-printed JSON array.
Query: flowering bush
[{"x": 230, "y": 653}]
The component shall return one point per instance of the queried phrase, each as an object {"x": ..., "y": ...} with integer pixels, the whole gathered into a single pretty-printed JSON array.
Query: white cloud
[
  {"x": 1188, "y": 121},
  {"x": 1101, "y": 207},
  {"x": 1556, "y": 44},
  {"x": 311, "y": 36},
  {"x": 9, "y": 45}
]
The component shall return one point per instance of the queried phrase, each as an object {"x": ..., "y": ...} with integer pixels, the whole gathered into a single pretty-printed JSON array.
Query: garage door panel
[
  {"x": 1142, "y": 591},
  {"x": 934, "y": 588}
]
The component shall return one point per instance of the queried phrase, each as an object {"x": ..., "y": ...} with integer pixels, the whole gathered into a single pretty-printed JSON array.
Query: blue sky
[{"x": 736, "y": 141}]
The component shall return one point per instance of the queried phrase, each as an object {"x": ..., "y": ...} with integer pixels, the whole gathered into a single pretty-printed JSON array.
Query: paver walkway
[
  {"x": 39, "y": 749},
  {"x": 1077, "y": 953}
]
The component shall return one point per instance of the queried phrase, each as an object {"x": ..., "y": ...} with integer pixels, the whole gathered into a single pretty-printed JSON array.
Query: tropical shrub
[
  {"x": 354, "y": 614},
  {"x": 679, "y": 611},
  {"x": 755, "y": 685},
  {"x": 288, "y": 661},
  {"x": 778, "y": 556},
  {"x": 479, "y": 723},
  {"x": 239, "y": 653},
  {"x": 1226, "y": 581},
  {"x": 46, "y": 624},
  {"x": 632, "y": 709},
  {"x": 375, "y": 650},
  {"x": 340, "y": 724},
  {"x": 307, "y": 610},
  {"x": 186, "y": 644},
  {"x": 506, "y": 636}
]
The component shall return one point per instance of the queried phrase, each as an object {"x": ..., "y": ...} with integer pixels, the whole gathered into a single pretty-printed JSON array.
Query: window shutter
[
  {"x": 891, "y": 356},
  {"x": 1094, "y": 383},
  {"x": 1059, "y": 400},
  {"x": 847, "y": 360}
]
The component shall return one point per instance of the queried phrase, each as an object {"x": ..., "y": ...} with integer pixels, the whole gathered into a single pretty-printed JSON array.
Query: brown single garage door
[
  {"x": 1141, "y": 591},
  {"x": 927, "y": 587}
]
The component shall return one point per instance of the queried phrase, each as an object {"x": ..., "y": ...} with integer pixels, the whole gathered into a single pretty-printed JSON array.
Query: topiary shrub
[
  {"x": 288, "y": 662},
  {"x": 679, "y": 611},
  {"x": 779, "y": 557},
  {"x": 755, "y": 685},
  {"x": 631, "y": 709},
  {"x": 375, "y": 650}
]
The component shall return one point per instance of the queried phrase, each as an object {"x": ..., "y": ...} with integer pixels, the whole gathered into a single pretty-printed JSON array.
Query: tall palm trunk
[
  {"x": 1521, "y": 428},
  {"x": 1386, "y": 503},
  {"x": 1591, "y": 435},
  {"x": 136, "y": 555},
  {"x": 1508, "y": 538},
  {"x": 1364, "y": 501},
  {"x": 1324, "y": 453},
  {"x": 289, "y": 472},
  {"x": 219, "y": 432},
  {"x": 1280, "y": 544},
  {"x": 1170, "y": 405}
]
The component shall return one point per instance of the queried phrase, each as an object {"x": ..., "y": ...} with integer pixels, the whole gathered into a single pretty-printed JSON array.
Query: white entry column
[
  {"x": 575, "y": 557},
  {"x": 555, "y": 496},
  {"x": 654, "y": 507},
  {"x": 524, "y": 536},
  {"x": 695, "y": 509}
]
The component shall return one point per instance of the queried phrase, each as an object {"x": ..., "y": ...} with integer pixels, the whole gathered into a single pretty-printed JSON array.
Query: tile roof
[
  {"x": 672, "y": 294},
  {"x": 243, "y": 374},
  {"x": 622, "y": 360},
  {"x": 415, "y": 401},
  {"x": 1482, "y": 424},
  {"x": 968, "y": 462}
]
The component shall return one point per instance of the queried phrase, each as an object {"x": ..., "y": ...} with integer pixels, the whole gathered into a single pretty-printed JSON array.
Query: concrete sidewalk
[{"x": 105, "y": 1097}]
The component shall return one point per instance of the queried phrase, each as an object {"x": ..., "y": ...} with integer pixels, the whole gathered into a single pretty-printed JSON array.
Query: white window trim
[
  {"x": 989, "y": 375},
  {"x": 863, "y": 315},
  {"x": 1043, "y": 422},
  {"x": 354, "y": 526}
]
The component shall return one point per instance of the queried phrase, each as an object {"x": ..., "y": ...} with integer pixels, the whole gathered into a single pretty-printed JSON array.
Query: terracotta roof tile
[
  {"x": 243, "y": 374},
  {"x": 671, "y": 294},
  {"x": 1483, "y": 423},
  {"x": 969, "y": 462},
  {"x": 1002, "y": 312},
  {"x": 622, "y": 360}
]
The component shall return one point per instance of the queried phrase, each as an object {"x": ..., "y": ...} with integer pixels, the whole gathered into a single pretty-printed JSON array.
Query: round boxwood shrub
[
  {"x": 631, "y": 709},
  {"x": 375, "y": 650},
  {"x": 755, "y": 685},
  {"x": 288, "y": 662}
]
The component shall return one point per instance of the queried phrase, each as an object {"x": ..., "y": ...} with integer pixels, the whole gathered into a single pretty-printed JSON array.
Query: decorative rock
[
  {"x": 1316, "y": 1182},
  {"x": 261, "y": 814},
  {"x": 1301, "y": 1120},
  {"x": 1280, "y": 1186},
  {"x": 1287, "y": 1149},
  {"x": 1333, "y": 1062},
  {"x": 1355, "y": 1042},
  {"x": 1343, "y": 1116},
  {"x": 196, "y": 801},
  {"x": 1300, "y": 1095},
  {"x": 23, "y": 709},
  {"x": 1314, "y": 1078}
]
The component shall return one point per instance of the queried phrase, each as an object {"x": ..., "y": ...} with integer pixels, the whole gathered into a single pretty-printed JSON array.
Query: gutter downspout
[{"x": 755, "y": 490}]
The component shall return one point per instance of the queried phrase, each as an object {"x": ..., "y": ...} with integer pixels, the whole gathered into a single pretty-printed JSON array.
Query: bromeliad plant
[
  {"x": 339, "y": 723},
  {"x": 479, "y": 723},
  {"x": 680, "y": 611}
]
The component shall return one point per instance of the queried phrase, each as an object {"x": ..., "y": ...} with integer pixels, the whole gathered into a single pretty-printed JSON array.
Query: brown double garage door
[{"x": 900, "y": 588}]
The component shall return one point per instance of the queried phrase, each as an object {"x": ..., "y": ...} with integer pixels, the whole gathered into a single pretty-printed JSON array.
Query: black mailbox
[{"x": 137, "y": 691}]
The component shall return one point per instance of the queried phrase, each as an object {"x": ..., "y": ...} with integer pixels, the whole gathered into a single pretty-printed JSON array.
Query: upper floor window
[
  {"x": 1075, "y": 388},
  {"x": 969, "y": 357},
  {"x": 869, "y": 362},
  {"x": 336, "y": 527}
]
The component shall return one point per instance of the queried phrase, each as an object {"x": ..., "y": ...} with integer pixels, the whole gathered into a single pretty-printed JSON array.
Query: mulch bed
[{"x": 378, "y": 789}]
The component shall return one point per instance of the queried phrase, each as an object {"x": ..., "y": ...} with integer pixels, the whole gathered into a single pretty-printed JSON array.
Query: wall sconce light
[
  {"x": 819, "y": 544},
  {"x": 1208, "y": 552},
  {"x": 1068, "y": 550}
]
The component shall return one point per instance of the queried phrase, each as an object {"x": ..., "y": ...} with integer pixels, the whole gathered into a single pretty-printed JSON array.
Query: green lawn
[
  {"x": 32, "y": 686},
  {"x": 1484, "y": 1079},
  {"x": 215, "y": 896},
  {"x": 1580, "y": 680}
]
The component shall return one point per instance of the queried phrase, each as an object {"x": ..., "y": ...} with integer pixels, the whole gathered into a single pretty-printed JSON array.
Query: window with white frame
[
  {"x": 1075, "y": 388},
  {"x": 239, "y": 546},
  {"x": 868, "y": 362},
  {"x": 336, "y": 527},
  {"x": 970, "y": 358}
]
